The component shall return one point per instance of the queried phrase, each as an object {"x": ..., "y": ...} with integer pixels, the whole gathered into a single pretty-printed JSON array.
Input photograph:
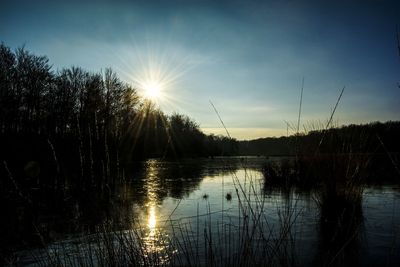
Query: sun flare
[
  {"x": 157, "y": 72},
  {"x": 152, "y": 90}
]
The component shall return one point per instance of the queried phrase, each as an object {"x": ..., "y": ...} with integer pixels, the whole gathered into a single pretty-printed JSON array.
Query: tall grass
[
  {"x": 213, "y": 238},
  {"x": 335, "y": 175},
  {"x": 336, "y": 180}
]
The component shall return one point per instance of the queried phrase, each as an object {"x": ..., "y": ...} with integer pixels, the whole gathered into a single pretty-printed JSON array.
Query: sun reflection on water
[
  {"x": 155, "y": 237},
  {"x": 152, "y": 222}
]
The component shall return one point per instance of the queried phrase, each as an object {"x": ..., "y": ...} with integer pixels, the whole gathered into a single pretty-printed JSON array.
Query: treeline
[
  {"x": 69, "y": 138},
  {"x": 86, "y": 125},
  {"x": 376, "y": 137}
]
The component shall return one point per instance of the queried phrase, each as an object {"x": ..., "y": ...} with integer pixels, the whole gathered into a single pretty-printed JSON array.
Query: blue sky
[{"x": 247, "y": 57}]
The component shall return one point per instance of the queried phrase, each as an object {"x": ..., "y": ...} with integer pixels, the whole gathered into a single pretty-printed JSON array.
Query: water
[{"x": 224, "y": 199}]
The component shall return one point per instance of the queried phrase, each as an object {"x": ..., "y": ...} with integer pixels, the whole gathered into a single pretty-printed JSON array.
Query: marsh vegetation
[{"x": 94, "y": 175}]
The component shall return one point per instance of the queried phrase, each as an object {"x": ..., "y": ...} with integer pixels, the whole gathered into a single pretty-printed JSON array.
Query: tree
[
  {"x": 33, "y": 78},
  {"x": 8, "y": 105}
]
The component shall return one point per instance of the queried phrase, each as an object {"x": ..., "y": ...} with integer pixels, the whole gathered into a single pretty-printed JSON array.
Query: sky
[{"x": 246, "y": 57}]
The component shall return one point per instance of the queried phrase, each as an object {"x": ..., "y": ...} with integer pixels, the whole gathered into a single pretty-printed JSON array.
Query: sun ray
[{"x": 155, "y": 71}]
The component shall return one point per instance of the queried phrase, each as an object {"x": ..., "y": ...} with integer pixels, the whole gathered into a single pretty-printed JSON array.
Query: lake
[{"x": 216, "y": 211}]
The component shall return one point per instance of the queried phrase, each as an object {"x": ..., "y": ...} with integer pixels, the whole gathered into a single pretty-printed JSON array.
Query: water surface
[{"x": 218, "y": 197}]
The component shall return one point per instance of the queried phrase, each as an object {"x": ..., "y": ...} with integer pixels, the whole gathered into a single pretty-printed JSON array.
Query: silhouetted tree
[
  {"x": 32, "y": 82},
  {"x": 91, "y": 122},
  {"x": 8, "y": 99}
]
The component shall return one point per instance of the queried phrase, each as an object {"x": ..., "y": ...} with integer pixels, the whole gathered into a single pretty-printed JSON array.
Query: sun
[
  {"x": 152, "y": 90},
  {"x": 157, "y": 72}
]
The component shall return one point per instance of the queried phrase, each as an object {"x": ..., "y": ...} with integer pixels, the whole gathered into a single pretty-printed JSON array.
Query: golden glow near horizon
[{"x": 246, "y": 133}]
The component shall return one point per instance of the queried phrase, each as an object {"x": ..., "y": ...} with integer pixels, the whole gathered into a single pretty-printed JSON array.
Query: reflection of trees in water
[
  {"x": 340, "y": 230},
  {"x": 338, "y": 192},
  {"x": 158, "y": 179},
  {"x": 147, "y": 182},
  {"x": 340, "y": 224},
  {"x": 83, "y": 211}
]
